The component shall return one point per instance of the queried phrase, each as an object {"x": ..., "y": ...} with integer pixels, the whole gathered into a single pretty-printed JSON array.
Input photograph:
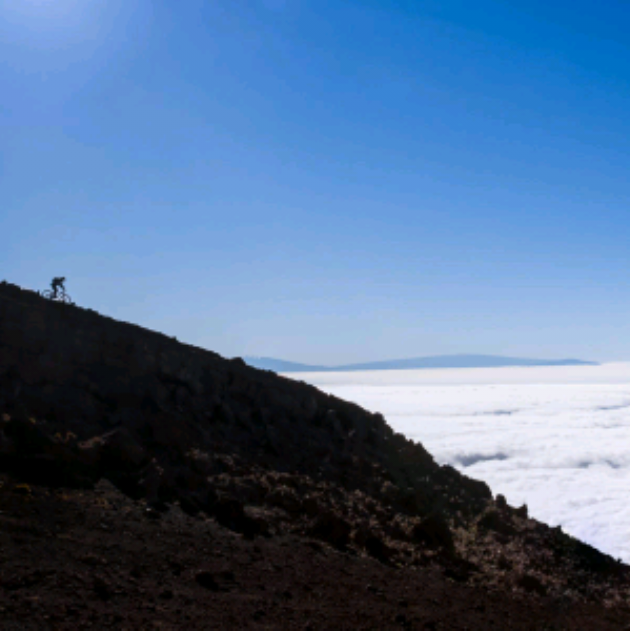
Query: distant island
[{"x": 438, "y": 361}]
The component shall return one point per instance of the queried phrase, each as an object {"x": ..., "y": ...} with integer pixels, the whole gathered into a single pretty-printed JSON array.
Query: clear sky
[{"x": 325, "y": 181}]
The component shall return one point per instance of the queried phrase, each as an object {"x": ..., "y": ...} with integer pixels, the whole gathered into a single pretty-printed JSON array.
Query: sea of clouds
[{"x": 554, "y": 438}]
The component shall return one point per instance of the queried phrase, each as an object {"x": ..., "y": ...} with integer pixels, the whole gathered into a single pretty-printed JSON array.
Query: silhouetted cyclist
[{"x": 57, "y": 284}]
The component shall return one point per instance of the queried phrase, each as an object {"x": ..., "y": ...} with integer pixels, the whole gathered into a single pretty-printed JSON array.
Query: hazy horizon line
[{"x": 457, "y": 360}]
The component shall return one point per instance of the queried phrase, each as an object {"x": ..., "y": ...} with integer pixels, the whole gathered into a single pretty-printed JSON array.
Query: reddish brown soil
[{"x": 75, "y": 559}]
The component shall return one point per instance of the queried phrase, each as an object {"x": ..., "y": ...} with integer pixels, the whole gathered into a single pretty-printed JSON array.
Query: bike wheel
[
  {"x": 65, "y": 299},
  {"x": 47, "y": 293}
]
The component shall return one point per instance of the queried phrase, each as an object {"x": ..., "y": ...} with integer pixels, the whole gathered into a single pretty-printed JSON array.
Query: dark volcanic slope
[
  {"x": 85, "y": 398},
  {"x": 74, "y": 559}
]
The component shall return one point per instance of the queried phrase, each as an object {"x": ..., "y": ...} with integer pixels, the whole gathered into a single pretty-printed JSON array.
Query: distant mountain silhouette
[
  {"x": 280, "y": 365},
  {"x": 438, "y": 361}
]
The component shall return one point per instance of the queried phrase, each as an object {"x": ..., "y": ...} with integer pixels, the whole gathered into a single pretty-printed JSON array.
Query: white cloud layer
[{"x": 554, "y": 438}]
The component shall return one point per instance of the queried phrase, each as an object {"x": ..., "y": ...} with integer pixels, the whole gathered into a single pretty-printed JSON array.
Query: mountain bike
[{"x": 58, "y": 296}]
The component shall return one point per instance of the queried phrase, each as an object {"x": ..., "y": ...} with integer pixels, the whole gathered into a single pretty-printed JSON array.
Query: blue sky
[{"x": 321, "y": 181}]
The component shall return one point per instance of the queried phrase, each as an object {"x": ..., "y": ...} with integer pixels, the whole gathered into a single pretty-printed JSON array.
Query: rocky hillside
[{"x": 86, "y": 399}]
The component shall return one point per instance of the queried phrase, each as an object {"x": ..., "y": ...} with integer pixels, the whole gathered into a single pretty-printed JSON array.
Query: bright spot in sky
[
  {"x": 47, "y": 17},
  {"x": 71, "y": 33},
  {"x": 49, "y": 7},
  {"x": 555, "y": 438}
]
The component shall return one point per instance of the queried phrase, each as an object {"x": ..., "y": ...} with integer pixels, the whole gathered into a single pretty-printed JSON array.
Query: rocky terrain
[{"x": 148, "y": 483}]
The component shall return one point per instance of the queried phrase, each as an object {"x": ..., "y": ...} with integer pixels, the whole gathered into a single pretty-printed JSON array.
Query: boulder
[
  {"x": 331, "y": 528},
  {"x": 377, "y": 548},
  {"x": 434, "y": 532},
  {"x": 285, "y": 498},
  {"x": 231, "y": 514},
  {"x": 493, "y": 519},
  {"x": 117, "y": 450}
]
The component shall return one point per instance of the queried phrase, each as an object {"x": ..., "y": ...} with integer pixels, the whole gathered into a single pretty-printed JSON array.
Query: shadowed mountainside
[{"x": 86, "y": 399}]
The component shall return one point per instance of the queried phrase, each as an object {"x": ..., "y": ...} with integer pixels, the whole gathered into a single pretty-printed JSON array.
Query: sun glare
[{"x": 47, "y": 14}]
